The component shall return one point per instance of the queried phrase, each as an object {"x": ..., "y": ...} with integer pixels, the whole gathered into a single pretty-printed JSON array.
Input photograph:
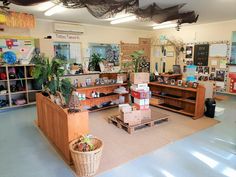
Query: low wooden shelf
[
  {"x": 59, "y": 126},
  {"x": 99, "y": 100},
  {"x": 176, "y": 99}
]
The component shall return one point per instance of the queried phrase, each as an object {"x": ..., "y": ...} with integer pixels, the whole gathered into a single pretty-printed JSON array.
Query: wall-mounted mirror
[{"x": 110, "y": 52}]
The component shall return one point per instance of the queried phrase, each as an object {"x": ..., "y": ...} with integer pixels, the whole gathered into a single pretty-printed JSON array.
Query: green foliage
[
  {"x": 66, "y": 89},
  {"x": 96, "y": 59},
  {"x": 136, "y": 60},
  {"x": 85, "y": 144},
  {"x": 48, "y": 73}
]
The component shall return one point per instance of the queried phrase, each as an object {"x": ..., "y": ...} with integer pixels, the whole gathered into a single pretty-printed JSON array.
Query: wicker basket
[{"x": 87, "y": 163}]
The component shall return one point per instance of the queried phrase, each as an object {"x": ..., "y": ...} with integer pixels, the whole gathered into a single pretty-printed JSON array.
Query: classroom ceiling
[{"x": 208, "y": 10}]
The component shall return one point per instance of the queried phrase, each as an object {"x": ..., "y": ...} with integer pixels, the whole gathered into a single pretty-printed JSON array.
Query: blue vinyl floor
[{"x": 209, "y": 153}]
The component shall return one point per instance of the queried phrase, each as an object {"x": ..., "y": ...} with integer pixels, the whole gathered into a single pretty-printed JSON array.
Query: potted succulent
[{"x": 86, "y": 153}]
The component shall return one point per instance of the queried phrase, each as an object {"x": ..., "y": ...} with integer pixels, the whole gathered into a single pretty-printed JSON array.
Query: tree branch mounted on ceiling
[{"x": 103, "y": 9}]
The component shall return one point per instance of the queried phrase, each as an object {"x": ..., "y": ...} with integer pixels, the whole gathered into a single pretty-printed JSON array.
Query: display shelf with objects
[
  {"x": 187, "y": 101},
  {"x": 99, "y": 97},
  {"x": 17, "y": 86}
]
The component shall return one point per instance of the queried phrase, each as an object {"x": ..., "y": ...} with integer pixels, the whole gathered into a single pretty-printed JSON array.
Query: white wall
[
  {"x": 201, "y": 33},
  {"x": 93, "y": 33},
  {"x": 220, "y": 31}
]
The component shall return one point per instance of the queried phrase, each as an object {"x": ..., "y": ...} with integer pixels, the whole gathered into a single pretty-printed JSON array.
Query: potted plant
[
  {"x": 133, "y": 65},
  {"x": 94, "y": 64},
  {"x": 48, "y": 73},
  {"x": 86, "y": 153}
]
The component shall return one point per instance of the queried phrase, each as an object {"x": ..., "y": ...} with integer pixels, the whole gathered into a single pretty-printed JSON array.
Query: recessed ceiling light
[
  {"x": 45, "y": 6},
  {"x": 54, "y": 10},
  {"x": 123, "y": 20}
]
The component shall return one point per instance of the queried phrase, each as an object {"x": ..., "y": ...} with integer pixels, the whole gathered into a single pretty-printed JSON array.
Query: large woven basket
[{"x": 87, "y": 163}]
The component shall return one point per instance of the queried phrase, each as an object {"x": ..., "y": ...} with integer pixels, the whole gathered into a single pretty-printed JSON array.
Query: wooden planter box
[{"x": 59, "y": 126}]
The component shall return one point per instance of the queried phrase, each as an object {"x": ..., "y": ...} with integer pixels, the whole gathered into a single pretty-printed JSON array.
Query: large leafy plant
[
  {"x": 66, "y": 89},
  {"x": 96, "y": 58},
  {"x": 48, "y": 73},
  {"x": 136, "y": 60}
]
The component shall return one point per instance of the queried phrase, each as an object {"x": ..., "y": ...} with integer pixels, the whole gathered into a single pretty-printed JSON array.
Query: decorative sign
[
  {"x": 201, "y": 53},
  {"x": 68, "y": 36}
]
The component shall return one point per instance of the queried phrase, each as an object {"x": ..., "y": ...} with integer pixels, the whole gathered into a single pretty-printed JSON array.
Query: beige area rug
[{"x": 121, "y": 147}]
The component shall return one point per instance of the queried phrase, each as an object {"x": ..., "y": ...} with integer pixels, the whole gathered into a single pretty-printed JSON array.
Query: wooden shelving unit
[
  {"x": 28, "y": 92},
  {"x": 187, "y": 101},
  {"x": 106, "y": 89}
]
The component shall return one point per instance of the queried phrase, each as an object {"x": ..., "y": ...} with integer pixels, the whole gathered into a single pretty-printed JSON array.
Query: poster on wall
[
  {"x": 201, "y": 53},
  {"x": 220, "y": 75},
  {"x": 22, "y": 47},
  {"x": 218, "y": 50}
]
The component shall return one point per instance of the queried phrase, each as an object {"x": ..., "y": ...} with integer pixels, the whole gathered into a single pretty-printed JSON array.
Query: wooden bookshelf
[
  {"x": 187, "y": 101},
  {"x": 28, "y": 93},
  {"x": 106, "y": 89}
]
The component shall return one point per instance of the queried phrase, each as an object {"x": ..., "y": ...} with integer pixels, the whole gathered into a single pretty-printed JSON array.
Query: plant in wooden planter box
[
  {"x": 86, "y": 153},
  {"x": 48, "y": 73}
]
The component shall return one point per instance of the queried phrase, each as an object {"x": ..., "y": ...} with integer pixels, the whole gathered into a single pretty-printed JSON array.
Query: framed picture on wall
[{"x": 189, "y": 51}]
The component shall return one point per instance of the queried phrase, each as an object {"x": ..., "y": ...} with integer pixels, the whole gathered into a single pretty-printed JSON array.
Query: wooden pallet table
[{"x": 145, "y": 123}]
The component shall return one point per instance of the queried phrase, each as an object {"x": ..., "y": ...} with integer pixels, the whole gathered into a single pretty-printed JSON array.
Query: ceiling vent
[{"x": 67, "y": 28}]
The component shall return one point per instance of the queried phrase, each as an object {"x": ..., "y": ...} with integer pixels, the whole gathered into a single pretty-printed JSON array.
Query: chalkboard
[{"x": 201, "y": 53}]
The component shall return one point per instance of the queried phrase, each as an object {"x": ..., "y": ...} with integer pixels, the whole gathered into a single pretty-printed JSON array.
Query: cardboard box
[
  {"x": 125, "y": 108},
  {"x": 141, "y": 107},
  {"x": 146, "y": 114},
  {"x": 139, "y": 78},
  {"x": 140, "y": 94},
  {"x": 140, "y": 87},
  {"x": 141, "y": 101},
  {"x": 131, "y": 118},
  {"x": 123, "y": 76}
]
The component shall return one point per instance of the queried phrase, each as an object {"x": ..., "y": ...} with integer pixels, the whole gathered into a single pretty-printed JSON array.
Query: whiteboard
[{"x": 218, "y": 50}]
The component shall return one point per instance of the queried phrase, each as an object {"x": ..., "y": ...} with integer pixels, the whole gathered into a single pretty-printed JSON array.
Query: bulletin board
[
  {"x": 23, "y": 47},
  {"x": 216, "y": 68}
]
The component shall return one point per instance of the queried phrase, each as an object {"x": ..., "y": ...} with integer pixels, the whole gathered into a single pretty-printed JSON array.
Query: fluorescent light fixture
[
  {"x": 54, "y": 10},
  {"x": 205, "y": 159},
  {"x": 167, "y": 25},
  {"x": 123, "y": 20},
  {"x": 117, "y": 16},
  {"x": 45, "y": 6}
]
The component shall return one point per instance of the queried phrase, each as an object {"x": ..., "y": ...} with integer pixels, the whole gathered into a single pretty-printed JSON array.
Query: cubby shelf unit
[{"x": 28, "y": 92}]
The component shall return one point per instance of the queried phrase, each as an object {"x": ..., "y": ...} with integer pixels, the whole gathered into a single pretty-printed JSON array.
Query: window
[
  {"x": 110, "y": 52},
  {"x": 68, "y": 51}
]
